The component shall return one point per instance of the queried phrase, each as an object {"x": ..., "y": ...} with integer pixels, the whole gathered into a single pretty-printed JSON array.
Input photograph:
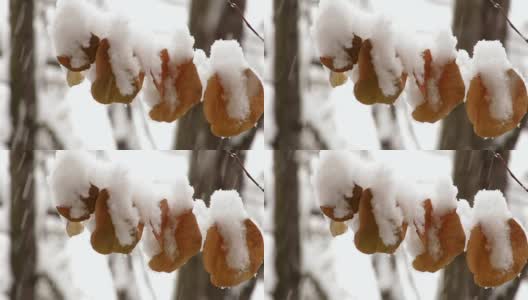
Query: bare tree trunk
[
  {"x": 210, "y": 170},
  {"x": 209, "y": 20},
  {"x": 288, "y": 119},
  {"x": 286, "y": 231},
  {"x": 474, "y": 20},
  {"x": 23, "y": 109},
  {"x": 473, "y": 170},
  {"x": 286, "y": 75}
]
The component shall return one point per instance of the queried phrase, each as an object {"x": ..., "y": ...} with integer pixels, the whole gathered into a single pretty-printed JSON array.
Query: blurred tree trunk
[
  {"x": 23, "y": 108},
  {"x": 474, "y": 20},
  {"x": 286, "y": 231},
  {"x": 286, "y": 75},
  {"x": 210, "y": 20},
  {"x": 474, "y": 170},
  {"x": 287, "y": 113},
  {"x": 209, "y": 171}
]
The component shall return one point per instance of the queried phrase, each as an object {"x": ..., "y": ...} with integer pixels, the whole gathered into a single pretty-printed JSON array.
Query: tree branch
[
  {"x": 505, "y": 164},
  {"x": 505, "y": 15},
  {"x": 237, "y": 159},
  {"x": 241, "y": 14}
]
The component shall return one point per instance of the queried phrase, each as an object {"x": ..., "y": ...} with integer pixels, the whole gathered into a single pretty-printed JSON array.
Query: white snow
[
  {"x": 465, "y": 213},
  {"x": 388, "y": 215},
  {"x": 444, "y": 200},
  {"x": 124, "y": 215},
  {"x": 228, "y": 214},
  {"x": 336, "y": 174},
  {"x": 125, "y": 65},
  {"x": 201, "y": 212},
  {"x": 466, "y": 67},
  {"x": 70, "y": 179},
  {"x": 387, "y": 65},
  {"x": 444, "y": 50},
  {"x": 491, "y": 63},
  {"x": 492, "y": 214},
  {"x": 227, "y": 60},
  {"x": 72, "y": 29},
  {"x": 334, "y": 27}
]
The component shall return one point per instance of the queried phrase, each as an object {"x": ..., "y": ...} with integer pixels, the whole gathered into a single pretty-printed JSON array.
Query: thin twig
[
  {"x": 505, "y": 15},
  {"x": 237, "y": 159},
  {"x": 241, "y": 14},
  {"x": 505, "y": 164}
]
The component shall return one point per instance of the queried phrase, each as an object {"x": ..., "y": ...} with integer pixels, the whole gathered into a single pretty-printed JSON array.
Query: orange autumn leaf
[
  {"x": 449, "y": 233},
  {"x": 367, "y": 237},
  {"x": 215, "y": 253},
  {"x": 215, "y": 106},
  {"x": 367, "y": 89},
  {"x": 104, "y": 239},
  {"x": 352, "y": 52},
  {"x": 478, "y": 256},
  {"x": 104, "y": 88},
  {"x": 186, "y": 234},
  {"x": 89, "y": 202},
  {"x": 90, "y": 53},
  {"x": 450, "y": 87},
  {"x": 478, "y": 106},
  {"x": 186, "y": 84},
  {"x": 352, "y": 202}
]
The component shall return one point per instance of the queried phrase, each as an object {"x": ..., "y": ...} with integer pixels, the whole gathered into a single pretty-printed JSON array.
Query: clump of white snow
[
  {"x": 465, "y": 213},
  {"x": 444, "y": 50},
  {"x": 388, "y": 214},
  {"x": 201, "y": 212},
  {"x": 466, "y": 67},
  {"x": 70, "y": 179},
  {"x": 125, "y": 65},
  {"x": 387, "y": 65},
  {"x": 227, "y": 60},
  {"x": 72, "y": 29},
  {"x": 228, "y": 214},
  {"x": 124, "y": 214},
  {"x": 444, "y": 200},
  {"x": 335, "y": 25},
  {"x": 492, "y": 214},
  {"x": 336, "y": 174},
  {"x": 491, "y": 63},
  {"x": 181, "y": 49}
]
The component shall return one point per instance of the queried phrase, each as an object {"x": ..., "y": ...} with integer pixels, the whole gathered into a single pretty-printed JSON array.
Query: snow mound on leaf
[
  {"x": 201, "y": 212},
  {"x": 228, "y": 214},
  {"x": 491, "y": 63},
  {"x": 492, "y": 214},
  {"x": 227, "y": 60},
  {"x": 125, "y": 64},
  {"x": 70, "y": 179},
  {"x": 465, "y": 213},
  {"x": 444, "y": 199},
  {"x": 116, "y": 179},
  {"x": 387, "y": 65},
  {"x": 336, "y": 174},
  {"x": 336, "y": 23},
  {"x": 388, "y": 215},
  {"x": 72, "y": 29}
]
